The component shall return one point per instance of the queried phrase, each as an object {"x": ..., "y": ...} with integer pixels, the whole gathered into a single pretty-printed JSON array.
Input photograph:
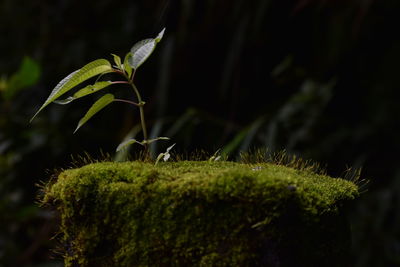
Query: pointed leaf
[
  {"x": 153, "y": 140},
  {"x": 88, "y": 71},
  {"x": 160, "y": 36},
  {"x": 170, "y": 147},
  {"x": 215, "y": 157},
  {"x": 127, "y": 143},
  {"x": 90, "y": 89},
  {"x": 165, "y": 156},
  {"x": 140, "y": 52},
  {"x": 97, "y": 106},
  {"x": 56, "y": 90},
  {"x": 143, "y": 49},
  {"x": 126, "y": 65},
  {"x": 117, "y": 60}
]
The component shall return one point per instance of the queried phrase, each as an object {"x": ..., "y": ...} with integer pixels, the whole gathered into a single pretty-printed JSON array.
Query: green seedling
[
  {"x": 215, "y": 157},
  {"x": 127, "y": 69},
  {"x": 165, "y": 156}
]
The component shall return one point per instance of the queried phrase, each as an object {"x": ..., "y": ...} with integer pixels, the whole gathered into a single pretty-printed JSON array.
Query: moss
[{"x": 200, "y": 214}]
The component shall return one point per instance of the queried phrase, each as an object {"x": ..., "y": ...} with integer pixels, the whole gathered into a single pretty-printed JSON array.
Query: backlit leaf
[
  {"x": 144, "y": 142},
  {"x": 165, "y": 156},
  {"x": 153, "y": 140},
  {"x": 160, "y": 36},
  {"x": 127, "y": 143},
  {"x": 143, "y": 49},
  {"x": 88, "y": 71},
  {"x": 140, "y": 52}
]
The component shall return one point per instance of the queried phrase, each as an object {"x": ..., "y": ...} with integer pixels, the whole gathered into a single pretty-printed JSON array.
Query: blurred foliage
[
  {"x": 317, "y": 78},
  {"x": 25, "y": 230},
  {"x": 27, "y": 75}
]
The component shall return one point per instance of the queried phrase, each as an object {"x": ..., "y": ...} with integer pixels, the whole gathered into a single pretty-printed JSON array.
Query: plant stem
[
  {"x": 126, "y": 101},
  {"x": 140, "y": 104},
  {"x": 119, "y": 72},
  {"x": 117, "y": 82},
  {"x": 142, "y": 120}
]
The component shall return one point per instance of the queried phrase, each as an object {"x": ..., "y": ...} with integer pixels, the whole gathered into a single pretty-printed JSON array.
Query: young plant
[
  {"x": 165, "y": 156},
  {"x": 127, "y": 69}
]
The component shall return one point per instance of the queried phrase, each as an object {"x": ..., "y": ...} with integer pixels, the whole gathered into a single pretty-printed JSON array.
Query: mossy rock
[{"x": 201, "y": 214}]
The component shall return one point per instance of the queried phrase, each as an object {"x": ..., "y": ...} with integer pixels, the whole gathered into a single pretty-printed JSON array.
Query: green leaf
[
  {"x": 170, "y": 147},
  {"x": 90, "y": 89},
  {"x": 132, "y": 141},
  {"x": 143, "y": 49},
  {"x": 27, "y": 75},
  {"x": 127, "y": 143},
  {"x": 153, "y": 140},
  {"x": 3, "y": 83},
  {"x": 97, "y": 106},
  {"x": 123, "y": 155},
  {"x": 215, "y": 156},
  {"x": 117, "y": 61},
  {"x": 160, "y": 36},
  {"x": 140, "y": 52},
  {"x": 126, "y": 65},
  {"x": 165, "y": 156},
  {"x": 88, "y": 71}
]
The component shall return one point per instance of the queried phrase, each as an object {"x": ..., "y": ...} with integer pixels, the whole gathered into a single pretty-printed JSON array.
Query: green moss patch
[{"x": 200, "y": 214}]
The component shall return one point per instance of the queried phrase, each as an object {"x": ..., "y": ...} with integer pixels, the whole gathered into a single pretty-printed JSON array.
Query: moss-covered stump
[{"x": 201, "y": 214}]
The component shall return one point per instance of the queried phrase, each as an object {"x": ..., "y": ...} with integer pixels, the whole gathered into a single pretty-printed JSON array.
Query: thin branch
[
  {"x": 120, "y": 72},
  {"x": 117, "y": 82},
  {"x": 128, "y": 101}
]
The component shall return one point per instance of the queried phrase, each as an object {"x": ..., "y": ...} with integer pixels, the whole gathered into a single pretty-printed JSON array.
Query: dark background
[{"x": 318, "y": 78}]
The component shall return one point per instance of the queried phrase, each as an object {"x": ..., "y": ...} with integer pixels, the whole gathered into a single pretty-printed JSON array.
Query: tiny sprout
[
  {"x": 257, "y": 168},
  {"x": 215, "y": 157},
  {"x": 165, "y": 156},
  {"x": 127, "y": 69}
]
